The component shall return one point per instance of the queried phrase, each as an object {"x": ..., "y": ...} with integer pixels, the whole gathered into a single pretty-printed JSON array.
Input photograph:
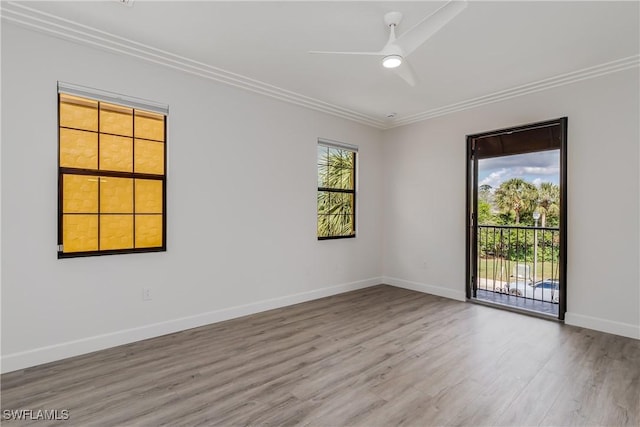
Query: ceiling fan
[{"x": 395, "y": 52}]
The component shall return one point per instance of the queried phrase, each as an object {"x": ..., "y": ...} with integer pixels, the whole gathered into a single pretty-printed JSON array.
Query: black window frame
[
  {"x": 351, "y": 191},
  {"x": 115, "y": 174}
]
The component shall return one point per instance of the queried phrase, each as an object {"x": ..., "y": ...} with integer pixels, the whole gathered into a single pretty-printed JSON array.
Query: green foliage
[
  {"x": 549, "y": 203},
  {"x": 516, "y": 196},
  {"x": 485, "y": 216},
  {"x": 517, "y": 243},
  {"x": 516, "y": 200},
  {"x": 335, "y": 209}
]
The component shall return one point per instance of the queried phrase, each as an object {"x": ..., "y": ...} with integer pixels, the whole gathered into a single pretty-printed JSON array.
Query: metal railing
[{"x": 519, "y": 261}]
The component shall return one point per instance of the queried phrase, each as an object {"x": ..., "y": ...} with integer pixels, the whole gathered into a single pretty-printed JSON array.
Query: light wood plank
[{"x": 379, "y": 356}]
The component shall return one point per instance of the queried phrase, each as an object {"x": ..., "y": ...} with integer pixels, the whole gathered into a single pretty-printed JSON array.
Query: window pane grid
[
  {"x": 118, "y": 209},
  {"x": 336, "y": 193},
  {"x": 108, "y": 133}
]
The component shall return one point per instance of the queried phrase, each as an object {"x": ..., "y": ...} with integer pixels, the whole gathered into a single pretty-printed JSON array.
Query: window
[
  {"x": 336, "y": 190},
  {"x": 111, "y": 175}
]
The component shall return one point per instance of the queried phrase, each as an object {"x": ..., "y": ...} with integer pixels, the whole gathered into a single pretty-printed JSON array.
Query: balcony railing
[{"x": 519, "y": 265}]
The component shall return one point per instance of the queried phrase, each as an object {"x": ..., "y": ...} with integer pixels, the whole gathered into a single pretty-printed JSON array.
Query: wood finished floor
[{"x": 381, "y": 356}]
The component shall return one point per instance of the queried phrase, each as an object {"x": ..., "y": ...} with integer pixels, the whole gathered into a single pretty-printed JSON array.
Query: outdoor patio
[{"x": 543, "y": 307}]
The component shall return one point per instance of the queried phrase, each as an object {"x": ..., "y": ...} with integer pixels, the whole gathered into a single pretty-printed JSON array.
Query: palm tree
[
  {"x": 548, "y": 201},
  {"x": 516, "y": 196}
]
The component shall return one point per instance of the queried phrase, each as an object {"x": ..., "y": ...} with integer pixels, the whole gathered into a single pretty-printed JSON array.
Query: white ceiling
[{"x": 490, "y": 47}]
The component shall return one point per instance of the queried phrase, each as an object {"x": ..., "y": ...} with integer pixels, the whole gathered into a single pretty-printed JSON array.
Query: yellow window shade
[
  {"x": 79, "y": 194},
  {"x": 78, "y": 113},
  {"x": 78, "y": 149},
  {"x": 116, "y": 232},
  {"x": 148, "y": 231},
  {"x": 80, "y": 233},
  {"x": 116, "y": 195},
  {"x": 149, "y": 157},
  {"x": 116, "y": 120},
  {"x": 107, "y": 152},
  {"x": 149, "y": 126},
  {"x": 148, "y": 196},
  {"x": 116, "y": 153}
]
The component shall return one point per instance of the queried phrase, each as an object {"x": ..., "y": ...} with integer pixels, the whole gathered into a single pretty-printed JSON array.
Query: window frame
[
  {"x": 135, "y": 105},
  {"x": 353, "y": 149}
]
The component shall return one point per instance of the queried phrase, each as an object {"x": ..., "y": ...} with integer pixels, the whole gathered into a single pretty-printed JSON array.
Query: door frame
[{"x": 472, "y": 203}]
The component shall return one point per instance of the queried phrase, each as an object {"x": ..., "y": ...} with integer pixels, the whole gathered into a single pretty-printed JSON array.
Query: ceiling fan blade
[
  {"x": 423, "y": 30},
  {"x": 406, "y": 73},
  {"x": 345, "y": 53}
]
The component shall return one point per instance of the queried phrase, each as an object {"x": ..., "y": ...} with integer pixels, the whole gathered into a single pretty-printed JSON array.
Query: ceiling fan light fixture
[{"x": 391, "y": 61}]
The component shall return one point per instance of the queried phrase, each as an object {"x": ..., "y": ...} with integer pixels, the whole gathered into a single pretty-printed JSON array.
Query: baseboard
[
  {"x": 603, "y": 325},
  {"x": 595, "y": 323},
  {"x": 38, "y": 356},
  {"x": 427, "y": 289}
]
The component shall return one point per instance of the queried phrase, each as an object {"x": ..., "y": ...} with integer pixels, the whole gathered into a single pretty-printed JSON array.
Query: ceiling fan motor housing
[{"x": 392, "y": 18}]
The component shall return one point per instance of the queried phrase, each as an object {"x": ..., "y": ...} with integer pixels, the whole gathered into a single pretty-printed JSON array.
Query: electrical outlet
[{"x": 146, "y": 294}]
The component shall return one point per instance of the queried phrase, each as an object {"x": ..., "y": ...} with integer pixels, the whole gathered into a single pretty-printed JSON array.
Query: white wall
[
  {"x": 424, "y": 187},
  {"x": 241, "y": 215}
]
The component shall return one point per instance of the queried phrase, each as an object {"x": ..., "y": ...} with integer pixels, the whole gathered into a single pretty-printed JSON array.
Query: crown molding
[
  {"x": 540, "y": 85},
  {"x": 70, "y": 30}
]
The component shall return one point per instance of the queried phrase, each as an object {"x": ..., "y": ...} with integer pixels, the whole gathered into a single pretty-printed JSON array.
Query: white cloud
[
  {"x": 494, "y": 179},
  {"x": 537, "y": 170}
]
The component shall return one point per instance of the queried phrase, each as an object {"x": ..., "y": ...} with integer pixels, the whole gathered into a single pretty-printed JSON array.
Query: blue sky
[{"x": 543, "y": 166}]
